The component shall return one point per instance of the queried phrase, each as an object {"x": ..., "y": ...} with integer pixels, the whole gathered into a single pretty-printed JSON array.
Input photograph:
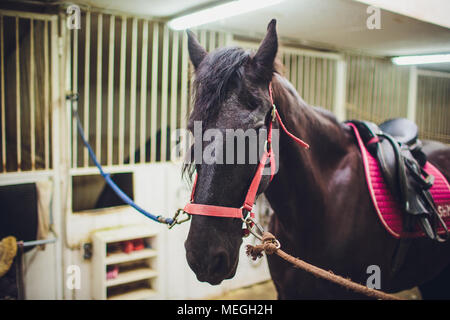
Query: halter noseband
[{"x": 246, "y": 208}]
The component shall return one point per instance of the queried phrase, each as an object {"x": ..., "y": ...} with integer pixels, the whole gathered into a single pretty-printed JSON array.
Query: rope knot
[{"x": 269, "y": 244}]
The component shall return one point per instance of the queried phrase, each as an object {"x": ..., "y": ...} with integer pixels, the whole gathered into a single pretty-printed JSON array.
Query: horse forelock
[{"x": 215, "y": 77}]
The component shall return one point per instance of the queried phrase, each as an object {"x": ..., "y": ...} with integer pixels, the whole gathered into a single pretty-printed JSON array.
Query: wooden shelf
[
  {"x": 139, "y": 294},
  {"x": 131, "y": 276},
  {"x": 138, "y": 276},
  {"x": 121, "y": 257},
  {"x": 125, "y": 233}
]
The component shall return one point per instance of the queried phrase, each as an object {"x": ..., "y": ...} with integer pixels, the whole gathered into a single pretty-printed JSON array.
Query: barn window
[{"x": 91, "y": 192}]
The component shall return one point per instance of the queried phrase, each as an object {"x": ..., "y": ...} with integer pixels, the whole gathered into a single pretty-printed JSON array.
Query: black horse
[{"x": 323, "y": 211}]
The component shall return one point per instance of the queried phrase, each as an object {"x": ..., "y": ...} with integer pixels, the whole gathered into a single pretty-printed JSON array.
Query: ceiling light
[
  {"x": 219, "y": 12},
  {"x": 423, "y": 59}
]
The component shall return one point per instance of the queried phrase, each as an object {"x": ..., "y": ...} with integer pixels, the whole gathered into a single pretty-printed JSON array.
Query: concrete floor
[{"x": 266, "y": 291}]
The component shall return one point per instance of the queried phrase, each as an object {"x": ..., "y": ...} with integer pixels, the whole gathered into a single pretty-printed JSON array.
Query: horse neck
[{"x": 298, "y": 191}]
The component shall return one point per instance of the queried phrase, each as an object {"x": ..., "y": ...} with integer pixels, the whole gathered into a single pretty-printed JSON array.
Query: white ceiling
[
  {"x": 154, "y": 8},
  {"x": 432, "y": 11},
  {"x": 334, "y": 24}
]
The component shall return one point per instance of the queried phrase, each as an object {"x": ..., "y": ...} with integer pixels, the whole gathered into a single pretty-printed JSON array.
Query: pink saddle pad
[{"x": 387, "y": 208}]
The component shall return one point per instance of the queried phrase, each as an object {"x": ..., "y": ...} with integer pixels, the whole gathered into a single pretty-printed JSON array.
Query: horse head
[{"x": 231, "y": 96}]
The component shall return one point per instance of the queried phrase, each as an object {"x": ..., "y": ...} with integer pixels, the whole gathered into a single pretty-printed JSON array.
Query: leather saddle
[{"x": 396, "y": 147}]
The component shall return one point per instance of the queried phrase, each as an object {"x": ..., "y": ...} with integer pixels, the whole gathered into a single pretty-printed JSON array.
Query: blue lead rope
[{"x": 122, "y": 195}]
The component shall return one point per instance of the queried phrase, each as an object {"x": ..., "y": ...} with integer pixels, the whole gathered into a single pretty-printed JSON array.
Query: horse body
[
  {"x": 324, "y": 214},
  {"x": 323, "y": 211}
]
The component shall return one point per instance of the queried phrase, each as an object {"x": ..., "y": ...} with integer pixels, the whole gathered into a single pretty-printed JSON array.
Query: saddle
[{"x": 406, "y": 173}]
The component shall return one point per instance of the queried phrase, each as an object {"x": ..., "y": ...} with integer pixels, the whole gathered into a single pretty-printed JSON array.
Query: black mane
[
  {"x": 215, "y": 77},
  {"x": 217, "y": 74}
]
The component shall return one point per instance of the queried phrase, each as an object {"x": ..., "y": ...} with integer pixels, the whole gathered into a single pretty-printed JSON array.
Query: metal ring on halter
[
  {"x": 274, "y": 113},
  {"x": 248, "y": 222},
  {"x": 260, "y": 230},
  {"x": 176, "y": 219}
]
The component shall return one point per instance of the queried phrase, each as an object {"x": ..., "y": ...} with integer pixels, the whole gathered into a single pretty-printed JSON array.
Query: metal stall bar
[
  {"x": 306, "y": 82},
  {"x": 143, "y": 112},
  {"x": 2, "y": 86},
  {"x": 294, "y": 70},
  {"x": 391, "y": 87},
  {"x": 75, "y": 89},
  {"x": 211, "y": 41},
  {"x": 184, "y": 82},
  {"x": 439, "y": 103},
  {"x": 431, "y": 103},
  {"x": 357, "y": 104},
  {"x": 397, "y": 85},
  {"x": 312, "y": 80},
  {"x": 154, "y": 91},
  {"x": 164, "y": 96},
  {"x": 202, "y": 38},
  {"x": 67, "y": 74},
  {"x": 36, "y": 242},
  {"x": 287, "y": 63},
  {"x": 123, "y": 52},
  {"x": 377, "y": 89},
  {"x": 370, "y": 67},
  {"x": 300, "y": 73},
  {"x": 432, "y": 110},
  {"x": 324, "y": 83},
  {"x": 376, "y": 86},
  {"x": 174, "y": 90},
  {"x": 87, "y": 63},
  {"x": 18, "y": 117},
  {"x": 46, "y": 98},
  {"x": 32, "y": 101},
  {"x": 329, "y": 83},
  {"x": 340, "y": 84},
  {"x": 362, "y": 85},
  {"x": 221, "y": 39},
  {"x": 111, "y": 89},
  {"x": 98, "y": 104},
  {"x": 133, "y": 76},
  {"x": 385, "y": 93},
  {"x": 318, "y": 91}
]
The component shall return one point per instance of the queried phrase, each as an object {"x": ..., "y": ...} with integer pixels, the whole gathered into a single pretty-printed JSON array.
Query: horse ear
[
  {"x": 265, "y": 56},
  {"x": 196, "y": 51}
]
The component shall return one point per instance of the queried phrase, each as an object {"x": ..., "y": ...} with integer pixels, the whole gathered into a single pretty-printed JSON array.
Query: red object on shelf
[
  {"x": 127, "y": 246},
  {"x": 138, "y": 244}
]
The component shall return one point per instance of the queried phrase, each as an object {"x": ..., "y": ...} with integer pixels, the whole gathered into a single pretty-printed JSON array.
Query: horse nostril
[{"x": 219, "y": 265}]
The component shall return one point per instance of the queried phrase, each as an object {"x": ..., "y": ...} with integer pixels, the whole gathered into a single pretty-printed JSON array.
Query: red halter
[{"x": 240, "y": 213}]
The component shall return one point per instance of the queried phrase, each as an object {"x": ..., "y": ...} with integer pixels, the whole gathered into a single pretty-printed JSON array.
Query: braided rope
[{"x": 268, "y": 245}]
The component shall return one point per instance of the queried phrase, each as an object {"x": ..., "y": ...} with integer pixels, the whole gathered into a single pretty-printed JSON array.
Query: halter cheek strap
[
  {"x": 240, "y": 213},
  {"x": 230, "y": 212}
]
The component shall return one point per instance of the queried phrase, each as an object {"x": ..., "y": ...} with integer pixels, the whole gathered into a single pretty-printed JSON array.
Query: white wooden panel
[{"x": 111, "y": 89}]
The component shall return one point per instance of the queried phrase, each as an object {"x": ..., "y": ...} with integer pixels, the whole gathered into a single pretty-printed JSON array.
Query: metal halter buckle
[{"x": 176, "y": 218}]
